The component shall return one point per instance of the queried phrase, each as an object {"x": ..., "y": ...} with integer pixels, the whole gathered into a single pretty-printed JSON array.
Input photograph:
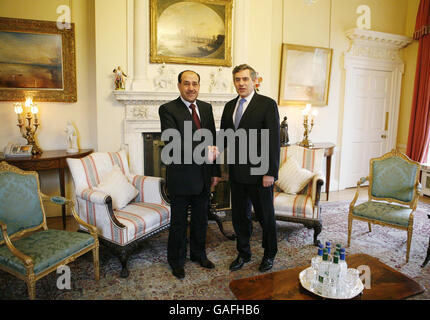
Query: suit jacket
[
  {"x": 188, "y": 179},
  {"x": 261, "y": 113}
]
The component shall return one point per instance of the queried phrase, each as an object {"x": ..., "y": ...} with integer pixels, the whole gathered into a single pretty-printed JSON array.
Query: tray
[{"x": 355, "y": 291}]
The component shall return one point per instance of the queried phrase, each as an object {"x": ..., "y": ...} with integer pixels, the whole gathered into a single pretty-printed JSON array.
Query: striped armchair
[
  {"x": 122, "y": 229},
  {"x": 304, "y": 206}
]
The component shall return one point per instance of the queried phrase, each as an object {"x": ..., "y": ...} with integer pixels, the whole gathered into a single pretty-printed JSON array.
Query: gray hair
[{"x": 245, "y": 67}]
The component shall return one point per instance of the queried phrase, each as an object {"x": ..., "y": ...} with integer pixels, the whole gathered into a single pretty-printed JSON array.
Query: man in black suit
[
  {"x": 188, "y": 182},
  {"x": 251, "y": 111}
]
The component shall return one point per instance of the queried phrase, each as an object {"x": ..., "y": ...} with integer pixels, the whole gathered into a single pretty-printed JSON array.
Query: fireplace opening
[{"x": 153, "y": 166}]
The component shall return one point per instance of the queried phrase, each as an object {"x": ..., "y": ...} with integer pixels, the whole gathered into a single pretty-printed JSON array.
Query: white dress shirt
[{"x": 187, "y": 103}]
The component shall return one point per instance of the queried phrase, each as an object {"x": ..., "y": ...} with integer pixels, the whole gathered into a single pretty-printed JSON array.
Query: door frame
[{"x": 374, "y": 51}]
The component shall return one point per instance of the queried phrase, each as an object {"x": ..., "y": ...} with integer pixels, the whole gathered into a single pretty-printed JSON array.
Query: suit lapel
[
  {"x": 184, "y": 112},
  {"x": 230, "y": 112},
  {"x": 204, "y": 116},
  {"x": 249, "y": 109}
]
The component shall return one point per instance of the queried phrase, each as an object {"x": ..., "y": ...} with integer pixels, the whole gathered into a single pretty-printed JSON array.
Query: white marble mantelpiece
[{"x": 141, "y": 115}]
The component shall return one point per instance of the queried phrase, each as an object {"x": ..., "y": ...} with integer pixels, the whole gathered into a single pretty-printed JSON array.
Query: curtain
[{"x": 419, "y": 125}]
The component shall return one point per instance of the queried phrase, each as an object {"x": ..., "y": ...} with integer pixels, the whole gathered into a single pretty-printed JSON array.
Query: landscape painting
[
  {"x": 193, "y": 32},
  {"x": 37, "y": 60},
  {"x": 31, "y": 61},
  {"x": 305, "y": 75}
]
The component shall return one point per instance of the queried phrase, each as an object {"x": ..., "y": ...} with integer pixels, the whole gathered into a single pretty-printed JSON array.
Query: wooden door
[{"x": 366, "y": 122}]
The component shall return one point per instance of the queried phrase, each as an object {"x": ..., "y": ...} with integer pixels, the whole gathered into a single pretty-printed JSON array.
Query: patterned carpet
[{"x": 151, "y": 278}]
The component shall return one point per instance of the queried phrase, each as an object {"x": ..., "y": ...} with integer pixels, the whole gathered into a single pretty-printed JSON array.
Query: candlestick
[{"x": 31, "y": 115}]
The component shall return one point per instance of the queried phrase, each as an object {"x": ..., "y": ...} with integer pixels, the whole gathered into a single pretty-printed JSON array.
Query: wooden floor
[{"x": 343, "y": 195}]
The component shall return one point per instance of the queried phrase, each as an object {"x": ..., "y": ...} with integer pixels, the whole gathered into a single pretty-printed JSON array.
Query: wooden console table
[
  {"x": 51, "y": 159},
  {"x": 328, "y": 152}
]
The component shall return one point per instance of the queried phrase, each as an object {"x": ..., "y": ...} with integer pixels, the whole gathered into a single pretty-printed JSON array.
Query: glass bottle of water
[
  {"x": 328, "y": 247},
  {"x": 315, "y": 262},
  {"x": 338, "y": 247},
  {"x": 318, "y": 258},
  {"x": 323, "y": 274},
  {"x": 334, "y": 272},
  {"x": 343, "y": 271}
]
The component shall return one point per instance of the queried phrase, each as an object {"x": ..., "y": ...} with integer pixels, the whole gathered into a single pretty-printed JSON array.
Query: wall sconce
[
  {"x": 306, "y": 142},
  {"x": 31, "y": 115}
]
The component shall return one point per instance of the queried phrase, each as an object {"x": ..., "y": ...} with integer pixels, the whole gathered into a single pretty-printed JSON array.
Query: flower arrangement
[{"x": 258, "y": 81}]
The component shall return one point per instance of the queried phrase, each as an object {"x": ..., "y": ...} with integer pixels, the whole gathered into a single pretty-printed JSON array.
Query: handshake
[{"x": 212, "y": 154}]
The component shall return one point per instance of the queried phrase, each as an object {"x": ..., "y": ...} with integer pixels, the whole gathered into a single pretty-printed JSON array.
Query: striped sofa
[
  {"x": 303, "y": 207},
  {"x": 121, "y": 229}
]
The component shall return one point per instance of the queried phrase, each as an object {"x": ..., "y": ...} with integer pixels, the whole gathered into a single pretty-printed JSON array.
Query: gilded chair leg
[
  {"x": 96, "y": 263},
  {"x": 408, "y": 246},
  {"x": 31, "y": 287},
  {"x": 349, "y": 229},
  {"x": 370, "y": 227}
]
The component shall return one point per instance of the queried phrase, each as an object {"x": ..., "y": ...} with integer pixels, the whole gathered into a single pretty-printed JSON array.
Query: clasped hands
[{"x": 213, "y": 153}]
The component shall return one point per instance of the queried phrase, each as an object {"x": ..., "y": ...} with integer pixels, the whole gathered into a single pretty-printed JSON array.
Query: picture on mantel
[{"x": 197, "y": 32}]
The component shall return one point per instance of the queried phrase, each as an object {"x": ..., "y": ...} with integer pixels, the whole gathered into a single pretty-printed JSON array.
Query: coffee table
[{"x": 386, "y": 283}]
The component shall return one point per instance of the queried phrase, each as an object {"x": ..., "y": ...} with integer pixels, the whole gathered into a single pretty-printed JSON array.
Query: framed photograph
[
  {"x": 191, "y": 32},
  {"x": 37, "y": 59},
  {"x": 305, "y": 75},
  {"x": 17, "y": 150}
]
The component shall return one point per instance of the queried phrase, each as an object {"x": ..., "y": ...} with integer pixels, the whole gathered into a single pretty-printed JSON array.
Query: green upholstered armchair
[
  {"x": 31, "y": 255},
  {"x": 394, "y": 190}
]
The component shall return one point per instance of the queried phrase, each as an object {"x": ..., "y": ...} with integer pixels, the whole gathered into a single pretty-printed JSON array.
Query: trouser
[
  {"x": 261, "y": 198},
  {"x": 177, "y": 241}
]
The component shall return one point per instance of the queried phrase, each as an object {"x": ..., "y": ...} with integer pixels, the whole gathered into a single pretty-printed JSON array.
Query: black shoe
[
  {"x": 266, "y": 264},
  {"x": 205, "y": 263},
  {"x": 178, "y": 272},
  {"x": 238, "y": 263}
]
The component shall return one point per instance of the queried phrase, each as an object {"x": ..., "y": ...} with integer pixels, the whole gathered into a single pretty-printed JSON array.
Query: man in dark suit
[
  {"x": 251, "y": 111},
  {"x": 188, "y": 182}
]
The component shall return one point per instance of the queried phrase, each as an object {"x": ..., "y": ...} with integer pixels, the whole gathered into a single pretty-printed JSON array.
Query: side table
[
  {"x": 51, "y": 159},
  {"x": 328, "y": 152}
]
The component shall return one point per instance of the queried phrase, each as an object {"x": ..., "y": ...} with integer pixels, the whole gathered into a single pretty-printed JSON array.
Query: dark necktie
[{"x": 195, "y": 116}]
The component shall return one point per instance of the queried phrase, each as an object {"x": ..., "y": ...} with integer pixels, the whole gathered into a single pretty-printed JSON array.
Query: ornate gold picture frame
[
  {"x": 191, "y": 32},
  {"x": 305, "y": 75},
  {"x": 37, "y": 59}
]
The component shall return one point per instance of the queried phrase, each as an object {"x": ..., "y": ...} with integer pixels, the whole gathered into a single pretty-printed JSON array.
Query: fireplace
[{"x": 153, "y": 166}]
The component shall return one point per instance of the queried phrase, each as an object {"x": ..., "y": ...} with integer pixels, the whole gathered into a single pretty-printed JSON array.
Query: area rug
[{"x": 151, "y": 278}]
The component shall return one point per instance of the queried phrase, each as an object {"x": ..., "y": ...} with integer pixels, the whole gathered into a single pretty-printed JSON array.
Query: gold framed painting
[
  {"x": 305, "y": 75},
  {"x": 191, "y": 32},
  {"x": 37, "y": 60}
]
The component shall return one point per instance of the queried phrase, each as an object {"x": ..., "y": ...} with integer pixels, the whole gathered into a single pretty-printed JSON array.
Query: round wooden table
[{"x": 48, "y": 160}]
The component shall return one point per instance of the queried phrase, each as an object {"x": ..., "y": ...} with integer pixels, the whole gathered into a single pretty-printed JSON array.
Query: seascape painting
[
  {"x": 31, "y": 61},
  {"x": 190, "y": 29},
  {"x": 196, "y": 32}
]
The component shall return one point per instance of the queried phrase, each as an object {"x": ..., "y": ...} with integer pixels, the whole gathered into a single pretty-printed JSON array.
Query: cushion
[
  {"x": 118, "y": 187},
  {"x": 140, "y": 219},
  {"x": 292, "y": 178},
  {"x": 385, "y": 212},
  {"x": 299, "y": 206},
  {"x": 46, "y": 248}
]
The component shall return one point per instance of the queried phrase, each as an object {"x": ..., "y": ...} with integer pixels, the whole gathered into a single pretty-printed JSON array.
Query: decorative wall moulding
[
  {"x": 376, "y": 45},
  {"x": 141, "y": 116},
  {"x": 363, "y": 37}
]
